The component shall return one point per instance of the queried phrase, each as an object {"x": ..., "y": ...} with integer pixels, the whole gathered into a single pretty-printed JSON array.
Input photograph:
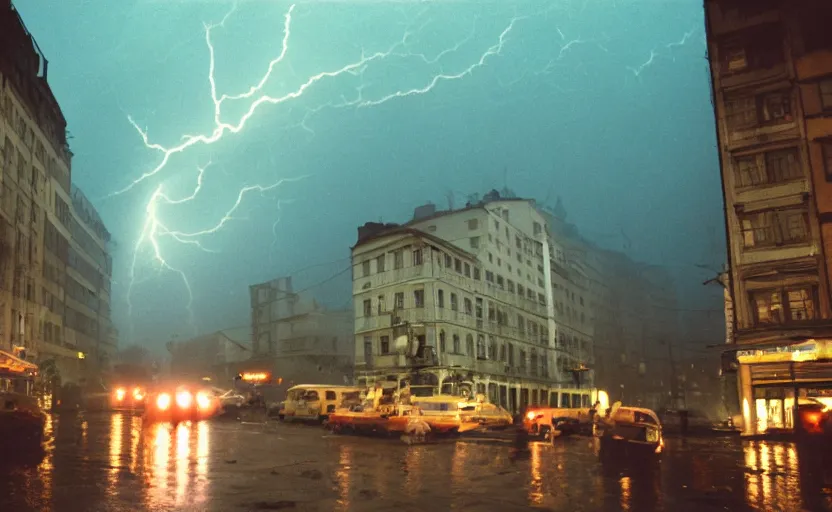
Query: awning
[{"x": 12, "y": 363}]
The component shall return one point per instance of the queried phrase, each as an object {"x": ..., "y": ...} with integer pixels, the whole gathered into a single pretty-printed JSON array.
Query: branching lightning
[
  {"x": 154, "y": 227},
  {"x": 654, "y": 54}
]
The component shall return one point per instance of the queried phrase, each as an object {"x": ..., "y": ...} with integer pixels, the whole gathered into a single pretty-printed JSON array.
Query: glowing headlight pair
[
  {"x": 137, "y": 394},
  {"x": 184, "y": 399}
]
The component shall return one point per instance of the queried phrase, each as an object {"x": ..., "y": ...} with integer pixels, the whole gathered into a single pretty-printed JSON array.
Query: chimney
[{"x": 425, "y": 211}]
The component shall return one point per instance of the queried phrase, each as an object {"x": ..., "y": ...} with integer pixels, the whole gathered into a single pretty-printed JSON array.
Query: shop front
[{"x": 775, "y": 382}]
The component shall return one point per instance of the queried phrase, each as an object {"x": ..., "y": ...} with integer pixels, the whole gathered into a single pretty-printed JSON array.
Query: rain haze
[{"x": 604, "y": 104}]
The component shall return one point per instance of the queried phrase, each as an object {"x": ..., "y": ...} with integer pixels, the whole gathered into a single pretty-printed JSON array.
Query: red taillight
[{"x": 813, "y": 417}]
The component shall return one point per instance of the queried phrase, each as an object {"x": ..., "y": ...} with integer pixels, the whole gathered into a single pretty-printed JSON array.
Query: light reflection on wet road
[{"x": 109, "y": 462}]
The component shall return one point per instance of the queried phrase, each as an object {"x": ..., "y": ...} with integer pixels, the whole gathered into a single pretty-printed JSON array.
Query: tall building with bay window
[
  {"x": 771, "y": 69},
  {"x": 465, "y": 299}
]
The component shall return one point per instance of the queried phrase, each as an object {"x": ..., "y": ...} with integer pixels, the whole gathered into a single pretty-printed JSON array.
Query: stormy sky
[{"x": 603, "y": 103}]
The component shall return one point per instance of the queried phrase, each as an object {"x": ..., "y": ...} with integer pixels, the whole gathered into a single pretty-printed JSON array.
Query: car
[
  {"x": 128, "y": 398},
  {"x": 181, "y": 403}
]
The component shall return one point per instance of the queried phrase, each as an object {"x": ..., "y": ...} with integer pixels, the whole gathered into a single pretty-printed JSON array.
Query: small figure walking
[{"x": 520, "y": 449}]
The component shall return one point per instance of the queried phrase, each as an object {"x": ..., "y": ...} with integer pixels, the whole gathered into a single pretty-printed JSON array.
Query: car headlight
[
  {"x": 530, "y": 415},
  {"x": 120, "y": 394},
  {"x": 138, "y": 395},
  {"x": 184, "y": 399},
  {"x": 202, "y": 401},
  {"x": 163, "y": 401}
]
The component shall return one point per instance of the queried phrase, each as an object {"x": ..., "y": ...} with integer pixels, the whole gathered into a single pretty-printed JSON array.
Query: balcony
[
  {"x": 457, "y": 360},
  {"x": 383, "y": 361},
  {"x": 491, "y": 366},
  {"x": 372, "y": 323}
]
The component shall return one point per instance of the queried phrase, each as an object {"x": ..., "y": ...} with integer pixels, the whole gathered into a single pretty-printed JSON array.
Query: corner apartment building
[
  {"x": 298, "y": 340},
  {"x": 87, "y": 315},
  {"x": 771, "y": 69},
  {"x": 464, "y": 299},
  {"x": 34, "y": 204}
]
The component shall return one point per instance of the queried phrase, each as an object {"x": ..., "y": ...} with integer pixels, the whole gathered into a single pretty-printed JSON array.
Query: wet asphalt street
[{"x": 104, "y": 461}]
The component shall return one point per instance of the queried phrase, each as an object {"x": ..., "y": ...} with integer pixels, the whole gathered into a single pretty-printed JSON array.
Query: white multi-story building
[{"x": 464, "y": 298}]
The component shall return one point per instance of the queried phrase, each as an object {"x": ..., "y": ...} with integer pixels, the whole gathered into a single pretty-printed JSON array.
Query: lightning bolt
[
  {"x": 653, "y": 53},
  {"x": 154, "y": 227}
]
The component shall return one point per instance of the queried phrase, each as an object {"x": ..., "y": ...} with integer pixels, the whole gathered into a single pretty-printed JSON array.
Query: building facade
[
  {"x": 296, "y": 339},
  {"x": 36, "y": 216},
  {"x": 465, "y": 299},
  {"x": 216, "y": 356},
  {"x": 771, "y": 69},
  {"x": 628, "y": 309},
  {"x": 88, "y": 285}
]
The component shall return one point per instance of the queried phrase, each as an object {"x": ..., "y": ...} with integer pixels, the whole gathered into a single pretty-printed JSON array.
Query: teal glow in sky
[{"x": 364, "y": 110}]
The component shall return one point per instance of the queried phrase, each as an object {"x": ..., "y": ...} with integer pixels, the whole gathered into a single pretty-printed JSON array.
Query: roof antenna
[{"x": 449, "y": 195}]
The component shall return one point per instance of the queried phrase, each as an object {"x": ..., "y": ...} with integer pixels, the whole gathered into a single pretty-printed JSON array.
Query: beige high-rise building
[
  {"x": 771, "y": 68},
  {"x": 35, "y": 213}
]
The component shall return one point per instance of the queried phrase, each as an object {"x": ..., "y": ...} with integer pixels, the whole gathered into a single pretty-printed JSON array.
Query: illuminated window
[
  {"x": 783, "y": 306},
  {"x": 774, "y": 228}
]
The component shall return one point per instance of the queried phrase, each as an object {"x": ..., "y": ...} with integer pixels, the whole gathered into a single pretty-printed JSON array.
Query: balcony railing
[{"x": 390, "y": 277}]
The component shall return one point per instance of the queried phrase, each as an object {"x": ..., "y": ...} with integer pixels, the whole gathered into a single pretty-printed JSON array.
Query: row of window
[
  {"x": 456, "y": 264},
  {"x": 763, "y": 109},
  {"x": 82, "y": 294},
  {"x": 88, "y": 215},
  {"x": 529, "y": 277},
  {"x": 775, "y": 228},
  {"x": 90, "y": 247},
  {"x": 46, "y": 122},
  {"x": 55, "y": 242},
  {"x": 496, "y": 314},
  {"x": 85, "y": 268},
  {"x": 24, "y": 173},
  {"x": 777, "y": 166},
  {"x": 761, "y": 47},
  {"x": 78, "y": 321},
  {"x": 525, "y": 362},
  {"x": 784, "y": 305}
]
